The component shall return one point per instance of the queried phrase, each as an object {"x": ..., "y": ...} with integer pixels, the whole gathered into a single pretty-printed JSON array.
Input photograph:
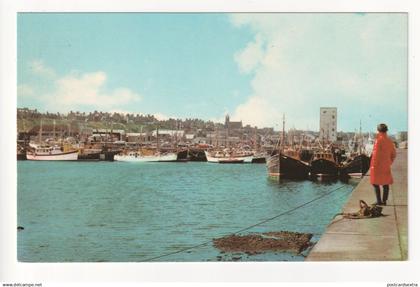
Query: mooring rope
[{"x": 249, "y": 227}]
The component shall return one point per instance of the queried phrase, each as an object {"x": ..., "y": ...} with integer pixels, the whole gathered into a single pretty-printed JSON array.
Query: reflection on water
[{"x": 102, "y": 211}]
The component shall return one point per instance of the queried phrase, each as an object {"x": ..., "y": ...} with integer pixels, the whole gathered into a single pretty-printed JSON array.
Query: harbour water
[{"x": 125, "y": 212}]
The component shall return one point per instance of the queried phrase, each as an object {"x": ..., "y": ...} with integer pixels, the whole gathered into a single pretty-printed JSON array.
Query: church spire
[{"x": 227, "y": 120}]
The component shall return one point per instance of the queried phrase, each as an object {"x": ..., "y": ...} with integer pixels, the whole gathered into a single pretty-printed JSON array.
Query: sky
[{"x": 254, "y": 67}]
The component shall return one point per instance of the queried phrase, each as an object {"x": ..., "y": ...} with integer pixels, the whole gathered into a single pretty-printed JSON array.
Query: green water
[{"x": 128, "y": 212}]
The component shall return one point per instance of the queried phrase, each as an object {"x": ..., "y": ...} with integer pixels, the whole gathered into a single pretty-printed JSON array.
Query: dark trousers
[{"x": 378, "y": 193}]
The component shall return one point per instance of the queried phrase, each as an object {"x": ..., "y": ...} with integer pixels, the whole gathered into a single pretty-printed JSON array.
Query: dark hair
[{"x": 382, "y": 128}]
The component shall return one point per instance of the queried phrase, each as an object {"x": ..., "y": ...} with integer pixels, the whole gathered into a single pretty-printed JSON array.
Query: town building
[
  {"x": 328, "y": 124},
  {"x": 108, "y": 134},
  {"x": 232, "y": 125}
]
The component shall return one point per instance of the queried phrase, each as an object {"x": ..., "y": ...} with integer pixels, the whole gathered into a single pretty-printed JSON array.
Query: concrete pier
[{"x": 373, "y": 239}]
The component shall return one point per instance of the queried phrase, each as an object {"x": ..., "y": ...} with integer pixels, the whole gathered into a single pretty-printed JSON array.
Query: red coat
[{"x": 383, "y": 156}]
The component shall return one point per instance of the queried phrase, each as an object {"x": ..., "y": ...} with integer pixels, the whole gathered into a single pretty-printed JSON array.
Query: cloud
[
  {"x": 24, "y": 91},
  {"x": 87, "y": 90},
  {"x": 37, "y": 67},
  {"x": 122, "y": 111},
  {"x": 300, "y": 62},
  {"x": 77, "y": 91},
  {"x": 162, "y": 117},
  {"x": 249, "y": 58},
  {"x": 220, "y": 119}
]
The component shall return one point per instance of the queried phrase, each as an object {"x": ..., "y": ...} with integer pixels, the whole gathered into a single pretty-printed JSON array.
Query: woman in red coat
[{"x": 383, "y": 156}]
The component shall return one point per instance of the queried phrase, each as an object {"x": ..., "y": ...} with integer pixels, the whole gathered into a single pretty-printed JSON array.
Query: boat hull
[
  {"x": 226, "y": 161},
  {"x": 61, "y": 156},
  {"x": 196, "y": 155},
  {"x": 273, "y": 166},
  {"x": 357, "y": 167},
  {"x": 259, "y": 159},
  {"x": 182, "y": 156},
  {"x": 322, "y": 168},
  {"x": 21, "y": 156},
  {"x": 282, "y": 166},
  {"x": 89, "y": 156},
  {"x": 233, "y": 159},
  {"x": 152, "y": 158}
]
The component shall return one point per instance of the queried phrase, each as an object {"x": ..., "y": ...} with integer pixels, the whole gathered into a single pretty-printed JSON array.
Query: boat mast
[
  {"x": 255, "y": 139},
  {"x": 54, "y": 129},
  {"x": 283, "y": 135},
  {"x": 227, "y": 137},
  {"x": 157, "y": 138},
  {"x": 139, "y": 139},
  {"x": 176, "y": 135},
  {"x": 40, "y": 132},
  {"x": 217, "y": 137},
  {"x": 360, "y": 137}
]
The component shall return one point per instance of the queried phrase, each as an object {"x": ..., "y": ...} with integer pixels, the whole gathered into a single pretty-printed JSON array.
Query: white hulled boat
[
  {"x": 50, "y": 153},
  {"x": 139, "y": 157},
  {"x": 224, "y": 157}
]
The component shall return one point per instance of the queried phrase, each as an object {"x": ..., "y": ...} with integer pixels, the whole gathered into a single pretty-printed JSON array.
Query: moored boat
[
  {"x": 233, "y": 160},
  {"x": 273, "y": 165},
  {"x": 21, "y": 153},
  {"x": 226, "y": 157},
  {"x": 323, "y": 165},
  {"x": 138, "y": 156},
  {"x": 196, "y": 154},
  {"x": 357, "y": 161},
  {"x": 357, "y": 166},
  {"x": 49, "y": 153},
  {"x": 293, "y": 168},
  {"x": 182, "y": 156},
  {"x": 287, "y": 166},
  {"x": 285, "y": 162},
  {"x": 89, "y": 154},
  {"x": 259, "y": 159}
]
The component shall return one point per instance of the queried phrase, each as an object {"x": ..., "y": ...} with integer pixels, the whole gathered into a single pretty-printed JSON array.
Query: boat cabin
[{"x": 323, "y": 155}]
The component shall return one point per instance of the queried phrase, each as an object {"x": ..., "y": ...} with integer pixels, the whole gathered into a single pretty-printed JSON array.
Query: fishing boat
[
  {"x": 228, "y": 157},
  {"x": 50, "y": 152},
  {"x": 140, "y": 156},
  {"x": 259, "y": 155},
  {"x": 358, "y": 157},
  {"x": 273, "y": 165},
  {"x": 287, "y": 164},
  {"x": 291, "y": 165},
  {"x": 147, "y": 154},
  {"x": 44, "y": 152},
  {"x": 231, "y": 160},
  {"x": 356, "y": 166},
  {"x": 259, "y": 158},
  {"x": 97, "y": 154},
  {"x": 323, "y": 165},
  {"x": 20, "y": 153},
  {"x": 196, "y": 154},
  {"x": 90, "y": 153},
  {"x": 182, "y": 155}
]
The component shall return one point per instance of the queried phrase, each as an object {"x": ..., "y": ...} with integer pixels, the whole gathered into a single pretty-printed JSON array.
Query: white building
[
  {"x": 189, "y": 136},
  {"x": 172, "y": 133},
  {"x": 328, "y": 124}
]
